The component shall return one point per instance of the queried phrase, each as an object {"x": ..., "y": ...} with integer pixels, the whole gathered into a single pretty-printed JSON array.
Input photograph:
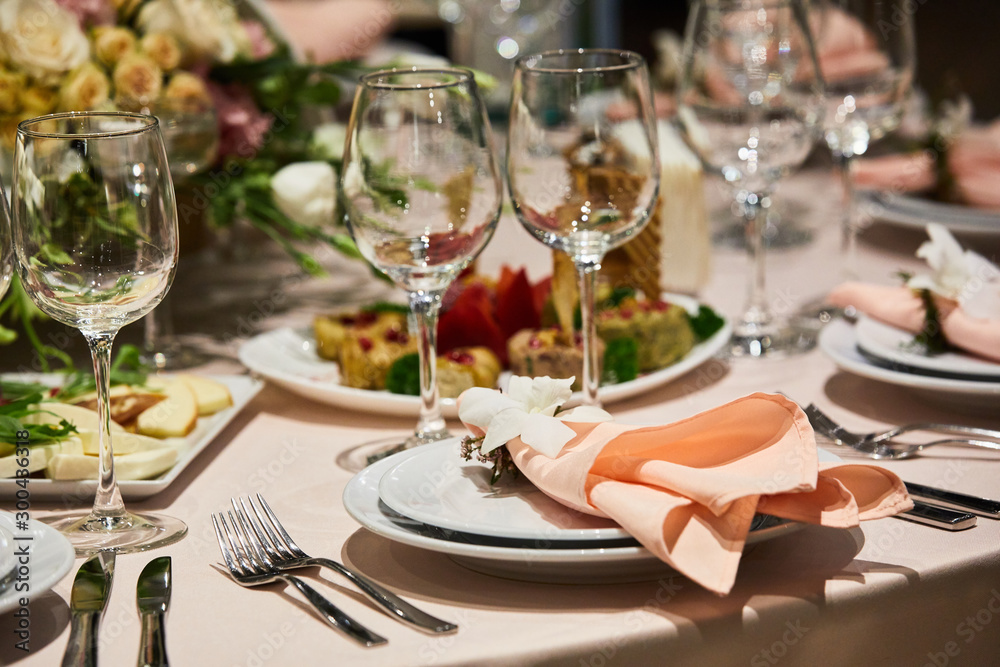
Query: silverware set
[
  {"x": 940, "y": 508},
  {"x": 258, "y": 550},
  {"x": 89, "y": 598}
]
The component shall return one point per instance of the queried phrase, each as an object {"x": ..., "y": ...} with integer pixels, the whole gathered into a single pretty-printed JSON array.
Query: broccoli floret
[{"x": 404, "y": 375}]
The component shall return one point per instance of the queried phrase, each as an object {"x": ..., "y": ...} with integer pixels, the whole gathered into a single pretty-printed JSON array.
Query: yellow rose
[
  {"x": 138, "y": 81},
  {"x": 111, "y": 44},
  {"x": 11, "y": 85},
  {"x": 41, "y": 39},
  {"x": 186, "y": 92},
  {"x": 39, "y": 100},
  {"x": 203, "y": 28},
  {"x": 86, "y": 88},
  {"x": 163, "y": 49}
]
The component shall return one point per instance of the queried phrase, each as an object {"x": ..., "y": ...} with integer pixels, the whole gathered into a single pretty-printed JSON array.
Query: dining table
[{"x": 890, "y": 592}]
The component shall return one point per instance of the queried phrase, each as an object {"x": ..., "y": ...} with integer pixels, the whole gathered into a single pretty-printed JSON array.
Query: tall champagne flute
[
  {"x": 582, "y": 163},
  {"x": 749, "y": 105},
  {"x": 867, "y": 55},
  {"x": 6, "y": 244},
  {"x": 422, "y": 194},
  {"x": 95, "y": 236}
]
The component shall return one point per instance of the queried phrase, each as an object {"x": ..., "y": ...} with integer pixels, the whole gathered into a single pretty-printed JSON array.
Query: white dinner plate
[
  {"x": 916, "y": 212},
  {"x": 839, "y": 341},
  {"x": 51, "y": 557},
  {"x": 287, "y": 357},
  {"x": 433, "y": 485},
  {"x": 895, "y": 346},
  {"x": 241, "y": 387},
  {"x": 529, "y": 563},
  {"x": 7, "y": 561}
]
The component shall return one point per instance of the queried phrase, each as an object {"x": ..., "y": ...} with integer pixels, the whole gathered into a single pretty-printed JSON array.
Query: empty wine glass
[
  {"x": 422, "y": 194},
  {"x": 95, "y": 237},
  {"x": 582, "y": 163},
  {"x": 749, "y": 104},
  {"x": 6, "y": 245},
  {"x": 867, "y": 57}
]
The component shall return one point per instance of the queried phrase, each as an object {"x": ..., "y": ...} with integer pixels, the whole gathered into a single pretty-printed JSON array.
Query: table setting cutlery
[
  {"x": 249, "y": 566},
  {"x": 267, "y": 533},
  {"x": 89, "y": 598},
  {"x": 152, "y": 598}
]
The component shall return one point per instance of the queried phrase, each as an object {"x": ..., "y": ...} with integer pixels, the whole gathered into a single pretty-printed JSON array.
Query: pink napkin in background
[
  {"x": 902, "y": 308},
  {"x": 688, "y": 491}
]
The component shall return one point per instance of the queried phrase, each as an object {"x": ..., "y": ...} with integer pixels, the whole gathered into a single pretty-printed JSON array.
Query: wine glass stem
[
  {"x": 587, "y": 273},
  {"x": 848, "y": 224},
  {"x": 425, "y": 307},
  {"x": 108, "y": 502},
  {"x": 758, "y": 313}
]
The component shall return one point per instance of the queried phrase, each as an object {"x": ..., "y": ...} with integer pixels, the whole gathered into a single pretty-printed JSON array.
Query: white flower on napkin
[
  {"x": 527, "y": 411},
  {"x": 960, "y": 275},
  {"x": 306, "y": 192}
]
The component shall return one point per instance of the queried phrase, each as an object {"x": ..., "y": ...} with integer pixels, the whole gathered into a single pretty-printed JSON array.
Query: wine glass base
[
  {"x": 132, "y": 533},
  {"x": 360, "y": 457},
  {"x": 773, "y": 342},
  {"x": 174, "y": 357}
]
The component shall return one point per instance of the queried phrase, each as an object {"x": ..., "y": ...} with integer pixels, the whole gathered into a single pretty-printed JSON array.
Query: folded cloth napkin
[
  {"x": 965, "y": 287},
  {"x": 688, "y": 491}
]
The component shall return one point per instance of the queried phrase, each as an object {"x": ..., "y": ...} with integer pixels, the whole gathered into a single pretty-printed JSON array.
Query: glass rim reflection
[
  {"x": 375, "y": 80},
  {"x": 625, "y": 60},
  {"x": 146, "y": 123}
]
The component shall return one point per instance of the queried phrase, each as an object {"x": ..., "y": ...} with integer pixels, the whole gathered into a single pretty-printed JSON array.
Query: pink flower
[
  {"x": 260, "y": 42},
  {"x": 90, "y": 12},
  {"x": 242, "y": 126}
]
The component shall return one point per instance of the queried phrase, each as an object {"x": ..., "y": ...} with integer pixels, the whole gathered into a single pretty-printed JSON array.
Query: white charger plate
[
  {"x": 592, "y": 565},
  {"x": 51, "y": 558},
  {"x": 916, "y": 212},
  {"x": 894, "y": 346},
  {"x": 839, "y": 341},
  {"x": 241, "y": 387},
  {"x": 287, "y": 357}
]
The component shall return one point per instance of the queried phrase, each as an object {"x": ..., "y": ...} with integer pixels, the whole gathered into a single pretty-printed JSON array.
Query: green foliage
[
  {"x": 404, "y": 375},
  {"x": 12, "y": 414},
  {"x": 705, "y": 323},
  {"x": 621, "y": 361}
]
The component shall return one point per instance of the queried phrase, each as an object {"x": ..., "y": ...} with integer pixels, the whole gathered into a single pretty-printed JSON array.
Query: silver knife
[
  {"x": 152, "y": 596},
  {"x": 88, "y": 599},
  {"x": 954, "y": 500},
  {"x": 939, "y": 517}
]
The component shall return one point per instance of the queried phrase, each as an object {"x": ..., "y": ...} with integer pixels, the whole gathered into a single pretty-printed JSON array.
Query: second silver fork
[{"x": 284, "y": 554}]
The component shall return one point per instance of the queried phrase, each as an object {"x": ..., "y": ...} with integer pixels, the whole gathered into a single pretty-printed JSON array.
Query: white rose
[
  {"x": 306, "y": 192},
  {"x": 42, "y": 39},
  {"x": 328, "y": 140},
  {"x": 960, "y": 275},
  {"x": 206, "y": 28}
]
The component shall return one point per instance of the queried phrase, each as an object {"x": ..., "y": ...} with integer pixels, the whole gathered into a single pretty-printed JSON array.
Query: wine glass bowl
[
  {"x": 750, "y": 104},
  {"x": 6, "y": 244},
  {"x": 582, "y": 162},
  {"x": 421, "y": 193},
  {"x": 95, "y": 239}
]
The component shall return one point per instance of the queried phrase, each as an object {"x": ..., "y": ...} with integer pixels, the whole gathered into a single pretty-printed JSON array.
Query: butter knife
[
  {"x": 954, "y": 500},
  {"x": 88, "y": 599},
  {"x": 152, "y": 596},
  {"x": 939, "y": 517}
]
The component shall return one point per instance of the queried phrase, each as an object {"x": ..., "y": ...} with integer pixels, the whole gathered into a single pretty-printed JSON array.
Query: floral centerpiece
[{"x": 264, "y": 158}]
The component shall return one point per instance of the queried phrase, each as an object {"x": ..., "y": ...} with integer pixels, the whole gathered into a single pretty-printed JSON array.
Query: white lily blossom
[
  {"x": 960, "y": 275},
  {"x": 527, "y": 410},
  {"x": 306, "y": 192}
]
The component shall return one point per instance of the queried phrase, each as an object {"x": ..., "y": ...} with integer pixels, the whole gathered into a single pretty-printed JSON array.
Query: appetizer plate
[
  {"x": 51, "y": 558},
  {"x": 894, "y": 346},
  {"x": 242, "y": 388},
  {"x": 549, "y": 562},
  {"x": 839, "y": 341},
  {"x": 916, "y": 212},
  {"x": 287, "y": 357}
]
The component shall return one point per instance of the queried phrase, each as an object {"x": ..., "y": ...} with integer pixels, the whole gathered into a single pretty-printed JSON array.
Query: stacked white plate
[
  {"x": 50, "y": 557},
  {"x": 881, "y": 352},
  {"x": 428, "y": 497}
]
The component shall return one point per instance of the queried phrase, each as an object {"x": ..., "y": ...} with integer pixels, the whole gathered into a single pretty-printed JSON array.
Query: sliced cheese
[
  {"x": 39, "y": 456},
  {"x": 82, "y": 418},
  {"x": 140, "y": 465},
  {"x": 173, "y": 417},
  {"x": 121, "y": 443},
  {"x": 211, "y": 396}
]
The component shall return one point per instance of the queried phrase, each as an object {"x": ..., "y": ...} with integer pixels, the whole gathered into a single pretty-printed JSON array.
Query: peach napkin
[
  {"x": 965, "y": 288},
  {"x": 688, "y": 491}
]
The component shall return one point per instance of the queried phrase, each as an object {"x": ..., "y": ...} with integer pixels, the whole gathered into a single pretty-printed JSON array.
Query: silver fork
[
  {"x": 878, "y": 445},
  {"x": 285, "y": 554},
  {"x": 249, "y": 567}
]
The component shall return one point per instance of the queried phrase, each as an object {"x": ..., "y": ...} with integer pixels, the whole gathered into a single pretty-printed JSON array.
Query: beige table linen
[{"x": 888, "y": 593}]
